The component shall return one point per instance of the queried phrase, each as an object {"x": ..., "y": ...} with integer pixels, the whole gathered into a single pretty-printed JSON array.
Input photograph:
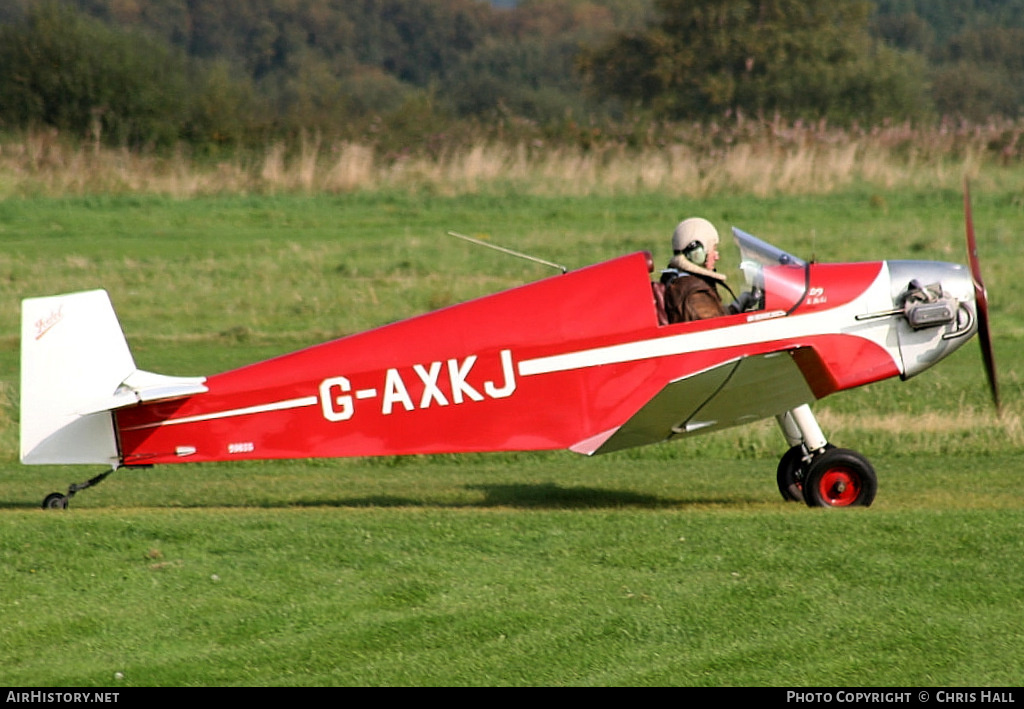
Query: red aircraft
[{"x": 576, "y": 361}]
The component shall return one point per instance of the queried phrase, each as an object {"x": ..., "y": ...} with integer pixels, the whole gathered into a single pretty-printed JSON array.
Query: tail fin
[{"x": 75, "y": 368}]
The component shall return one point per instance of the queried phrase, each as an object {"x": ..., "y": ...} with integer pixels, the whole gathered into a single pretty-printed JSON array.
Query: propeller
[{"x": 981, "y": 301}]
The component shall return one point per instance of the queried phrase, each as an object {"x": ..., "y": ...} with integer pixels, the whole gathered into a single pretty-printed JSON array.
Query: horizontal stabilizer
[{"x": 143, "y": 387}]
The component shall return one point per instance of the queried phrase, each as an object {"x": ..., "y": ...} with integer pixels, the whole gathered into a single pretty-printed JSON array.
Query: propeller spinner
[{"x": 981, "y": 301}]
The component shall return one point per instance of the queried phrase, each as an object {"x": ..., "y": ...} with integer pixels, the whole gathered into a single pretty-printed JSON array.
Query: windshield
[{"x": 781, "y": 276}]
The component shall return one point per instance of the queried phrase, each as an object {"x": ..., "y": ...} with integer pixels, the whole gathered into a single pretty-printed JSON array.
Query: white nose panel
[{"x": 923, "y": 347}]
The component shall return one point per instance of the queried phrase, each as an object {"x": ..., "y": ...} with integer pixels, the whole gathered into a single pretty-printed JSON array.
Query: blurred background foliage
[{"x": 219, "y": 76}]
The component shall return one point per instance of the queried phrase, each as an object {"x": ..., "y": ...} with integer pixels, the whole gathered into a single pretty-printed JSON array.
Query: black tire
[
  {"x": 55, "y": 501},
  {"x": 840, "y": 478},
  {"x": 790, "y": 475}
]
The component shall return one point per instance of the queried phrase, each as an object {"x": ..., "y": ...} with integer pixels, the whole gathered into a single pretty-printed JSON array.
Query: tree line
[{"x": 220, "y": 74}]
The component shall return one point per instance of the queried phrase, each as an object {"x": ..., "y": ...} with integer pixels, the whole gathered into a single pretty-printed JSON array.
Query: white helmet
[{"x": 692, "y": 241}]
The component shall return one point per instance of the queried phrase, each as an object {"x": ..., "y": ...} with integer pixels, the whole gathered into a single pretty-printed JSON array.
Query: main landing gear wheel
[
  {"x": 790, "y": 475},
  {"x": 792, "y": 471},
  {"x": 840, "y": 478}
]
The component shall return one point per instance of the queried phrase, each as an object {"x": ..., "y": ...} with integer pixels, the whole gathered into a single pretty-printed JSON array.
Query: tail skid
[{"x": 75, "y": 369}]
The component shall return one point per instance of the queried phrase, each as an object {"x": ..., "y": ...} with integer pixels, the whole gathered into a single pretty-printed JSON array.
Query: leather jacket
[{"x": 689, "y": 296}]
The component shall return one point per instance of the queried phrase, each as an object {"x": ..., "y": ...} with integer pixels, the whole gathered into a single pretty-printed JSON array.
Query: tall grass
[{"x": 755, "y": 158}]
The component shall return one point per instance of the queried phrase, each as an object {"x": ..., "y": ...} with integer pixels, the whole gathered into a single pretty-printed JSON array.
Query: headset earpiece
[{"x": 696, "y": 253}]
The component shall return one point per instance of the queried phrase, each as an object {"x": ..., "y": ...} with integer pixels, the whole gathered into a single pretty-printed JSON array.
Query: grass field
[{"x": 671, "y": 565}]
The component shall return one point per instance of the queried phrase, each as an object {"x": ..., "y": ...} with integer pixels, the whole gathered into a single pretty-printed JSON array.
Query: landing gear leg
[
  {"x": 800, "y": 427},
  {"x": 59, "y": 501},
  {"x": 815, "y": 471}
]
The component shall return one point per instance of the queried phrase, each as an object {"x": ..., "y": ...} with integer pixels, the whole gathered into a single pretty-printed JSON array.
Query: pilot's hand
[{"x": 746, "y": 301}]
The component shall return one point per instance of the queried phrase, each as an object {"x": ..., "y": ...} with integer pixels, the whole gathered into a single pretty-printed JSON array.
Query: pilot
[{"x": 690, "y": 280}]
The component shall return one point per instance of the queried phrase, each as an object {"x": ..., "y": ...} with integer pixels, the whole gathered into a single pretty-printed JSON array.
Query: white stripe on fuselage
[{"x": 259, "y": 409}]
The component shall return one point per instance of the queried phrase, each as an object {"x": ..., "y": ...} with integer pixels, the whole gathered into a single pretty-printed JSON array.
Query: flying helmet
[{"x": 692, "y": 241}]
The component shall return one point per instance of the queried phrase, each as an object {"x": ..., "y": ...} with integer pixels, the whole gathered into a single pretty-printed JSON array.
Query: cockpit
[{"x": 776, "y": 281}]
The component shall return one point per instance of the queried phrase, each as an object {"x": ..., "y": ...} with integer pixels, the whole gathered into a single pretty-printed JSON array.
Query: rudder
[
  {"x": 76, "y": 368},
  {"x": 74, "y": 356}
]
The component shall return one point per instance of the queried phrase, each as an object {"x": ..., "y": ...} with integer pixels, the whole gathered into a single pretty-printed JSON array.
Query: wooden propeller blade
[{"x": 981, "y": 301}]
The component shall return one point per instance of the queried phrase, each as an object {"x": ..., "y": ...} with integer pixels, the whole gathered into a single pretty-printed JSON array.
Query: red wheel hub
[{"x": 839, "y": 486}]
